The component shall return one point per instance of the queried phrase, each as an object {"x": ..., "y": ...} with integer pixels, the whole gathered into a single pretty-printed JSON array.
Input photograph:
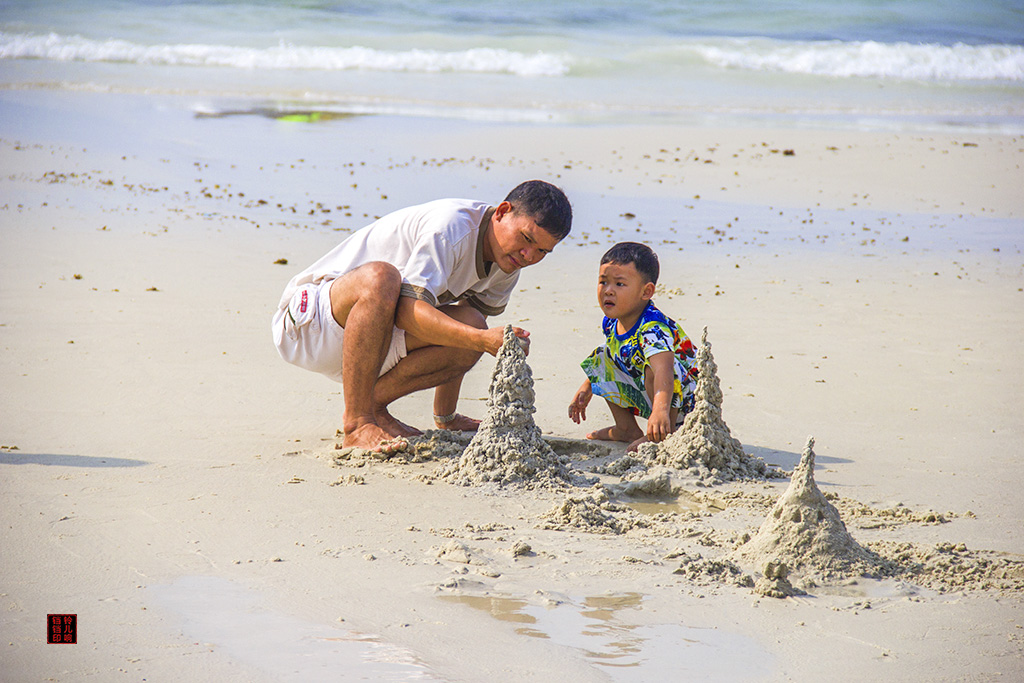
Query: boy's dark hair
[
  {"x": 544, "y": 204},
  {"x": 641, "y": 256}
]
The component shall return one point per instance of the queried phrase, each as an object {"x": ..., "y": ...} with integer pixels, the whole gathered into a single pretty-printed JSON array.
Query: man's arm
[{"x": 431, "y": 327}]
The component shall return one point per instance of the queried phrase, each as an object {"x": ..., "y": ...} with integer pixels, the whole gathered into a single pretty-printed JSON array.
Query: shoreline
[{"x": 151, "y": 434}]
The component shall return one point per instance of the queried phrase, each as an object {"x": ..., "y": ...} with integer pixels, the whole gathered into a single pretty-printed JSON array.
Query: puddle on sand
[
  {"x": 627, "y": 652},
  {"x": 231, "y": 617},
  {"x": 684, "y": 502},
  {"x": 876, "y": 589}
]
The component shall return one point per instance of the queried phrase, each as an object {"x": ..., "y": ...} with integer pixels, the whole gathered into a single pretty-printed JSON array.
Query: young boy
[{"x": 647, "y": 366}]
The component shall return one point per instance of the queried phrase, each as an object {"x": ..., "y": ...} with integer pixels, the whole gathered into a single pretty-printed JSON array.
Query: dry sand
[{"x": 173, "y": 483}]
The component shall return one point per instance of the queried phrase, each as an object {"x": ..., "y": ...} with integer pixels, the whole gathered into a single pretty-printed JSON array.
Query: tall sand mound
[
  {"x": 508, "y": 449},
  {"x": 804, "y": 532},
  {"x": 703, "y": 444}
]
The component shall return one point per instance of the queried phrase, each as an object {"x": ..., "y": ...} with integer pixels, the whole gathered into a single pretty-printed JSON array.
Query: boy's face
[{"x": 622, "y": 292}]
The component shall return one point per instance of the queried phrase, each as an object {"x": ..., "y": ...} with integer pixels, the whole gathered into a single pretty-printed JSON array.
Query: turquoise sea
[{"x": 852, "y": 63}]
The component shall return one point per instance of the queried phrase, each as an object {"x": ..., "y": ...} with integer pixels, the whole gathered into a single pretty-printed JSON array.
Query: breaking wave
[
  {"x": 477, "y": 60},
  {"x": 927, "y": 62}
]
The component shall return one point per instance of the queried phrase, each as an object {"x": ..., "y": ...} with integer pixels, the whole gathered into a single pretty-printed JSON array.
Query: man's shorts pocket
[{"x": 302, "y": 310}]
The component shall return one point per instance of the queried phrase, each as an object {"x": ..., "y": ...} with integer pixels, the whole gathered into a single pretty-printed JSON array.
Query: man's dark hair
[
  {"x": 544, "y": 204},
  {"x": 641, "y": 256}
]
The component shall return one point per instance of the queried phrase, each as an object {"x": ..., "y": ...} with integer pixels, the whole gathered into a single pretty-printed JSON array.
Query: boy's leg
[
  {"x": 363, "y": 302},
  {"x": 625, "y": 428}
]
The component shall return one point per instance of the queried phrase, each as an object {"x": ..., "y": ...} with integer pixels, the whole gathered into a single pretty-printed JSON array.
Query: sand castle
[
  {"x": 508, "y": 448},
  {"x": 703, "y": 444},
  {"x": 804, "y": 532}
]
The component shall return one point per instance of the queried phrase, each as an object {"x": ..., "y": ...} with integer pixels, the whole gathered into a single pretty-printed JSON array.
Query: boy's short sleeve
[
  {"x": 608, "y": 326},
  {"x": 656, "y": 337}
]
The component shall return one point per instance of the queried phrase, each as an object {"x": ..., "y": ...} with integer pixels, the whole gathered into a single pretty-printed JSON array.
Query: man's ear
[
  {"x": 501, "y": 209},
  {"x": 648, "y": 291}
]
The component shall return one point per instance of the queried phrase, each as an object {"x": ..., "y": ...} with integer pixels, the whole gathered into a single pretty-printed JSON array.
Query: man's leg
[
  {"x": 446, "y": 396},
  {"x": 426, "y": 367},
  {"x": 363, "y": 302}
]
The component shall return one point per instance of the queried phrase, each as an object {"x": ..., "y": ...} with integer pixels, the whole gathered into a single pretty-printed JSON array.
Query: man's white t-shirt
[{"x": 438, "y": 249}]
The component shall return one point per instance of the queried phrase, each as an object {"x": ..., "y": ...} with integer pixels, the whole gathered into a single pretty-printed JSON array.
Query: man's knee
[
  {"x": 376, "y": 283},
  {"x": 467, "y": 315},
  {"x": 465, "y": 359},
  {"x": 378, "y": 279}
]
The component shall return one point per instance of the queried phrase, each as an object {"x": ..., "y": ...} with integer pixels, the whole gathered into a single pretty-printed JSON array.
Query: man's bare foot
[
  {"x": 614, "y": 433},
  {"x": 368, "y": 436},
  {"x": 392, "y": 446},
  {"x": 460, "y": 423},
  {"x": 394, "y": 426}
]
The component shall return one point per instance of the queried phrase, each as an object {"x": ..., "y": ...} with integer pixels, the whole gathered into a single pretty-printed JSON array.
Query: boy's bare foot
[
  {"x": 460, "y": 423},
  {"x": 614, "y": 433},
  {"x": 636, "y": 444}
]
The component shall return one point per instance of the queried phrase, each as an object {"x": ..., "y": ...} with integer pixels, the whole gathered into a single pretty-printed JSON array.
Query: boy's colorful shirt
[{"x": 616, "y": 370}]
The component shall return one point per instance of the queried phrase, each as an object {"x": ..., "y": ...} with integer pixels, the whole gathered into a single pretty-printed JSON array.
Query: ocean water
[{"x": 861, "y": 63}]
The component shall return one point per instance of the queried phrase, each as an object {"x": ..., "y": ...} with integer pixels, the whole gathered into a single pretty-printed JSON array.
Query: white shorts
[{"x": 306, "y": 333}]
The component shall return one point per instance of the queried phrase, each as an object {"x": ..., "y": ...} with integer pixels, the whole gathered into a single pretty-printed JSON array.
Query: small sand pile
[
  {"x": 438, "y": 444},
  {"x": 707, "y": 572},
  {"x": 952, "y": 566},
  {"x": 865, "y": 517},
  {"x": 703, "y": 445},
  {"x": 453, "y": 551},
  {"x": 434, "y": 444},
  {"x": 508, "y": 448},
  {"x": 657, "y": 481},
  {"x": 804, "y": 532},
  {"x": 774, "y": 583},
  {"x": 627, "y": 465},
  {"x": 594, "y": 513}
]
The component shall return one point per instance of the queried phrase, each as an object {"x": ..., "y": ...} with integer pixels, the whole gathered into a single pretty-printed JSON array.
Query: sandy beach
[{"x": 169, "y": 479}]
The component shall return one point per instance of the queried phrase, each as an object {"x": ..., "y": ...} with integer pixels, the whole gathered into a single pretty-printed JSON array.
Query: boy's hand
[
  {"x": 658, "y": 426},
  {"x": 578, "y": 407}
]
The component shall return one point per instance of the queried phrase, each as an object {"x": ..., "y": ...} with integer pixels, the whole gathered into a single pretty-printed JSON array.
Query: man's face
[{"x": 516, "y": 241}]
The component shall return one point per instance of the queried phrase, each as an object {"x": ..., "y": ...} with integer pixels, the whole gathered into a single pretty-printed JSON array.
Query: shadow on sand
[
  {"x": 18, "y": 458},
  {"x": 787, "y": 460}
]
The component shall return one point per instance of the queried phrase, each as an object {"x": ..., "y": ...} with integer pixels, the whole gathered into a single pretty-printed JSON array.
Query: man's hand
[
  {"x": 495, "y": 337},
  {"x": 578, "y": 406}
]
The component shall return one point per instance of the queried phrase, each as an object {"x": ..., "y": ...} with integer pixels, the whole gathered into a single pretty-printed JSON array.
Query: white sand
[{"x": 155, "y": 447}]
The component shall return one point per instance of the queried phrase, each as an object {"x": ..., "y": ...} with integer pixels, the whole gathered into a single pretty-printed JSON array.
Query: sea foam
[
  {"x": 927, "y": 62},
  {"x": 60, "y": 48}
]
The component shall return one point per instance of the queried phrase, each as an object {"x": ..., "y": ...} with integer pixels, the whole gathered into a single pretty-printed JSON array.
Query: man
[{"x": 402, "y": 304}]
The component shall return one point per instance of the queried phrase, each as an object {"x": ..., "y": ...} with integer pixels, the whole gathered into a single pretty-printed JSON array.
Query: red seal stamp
[{"x": 61, "y": 629}]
